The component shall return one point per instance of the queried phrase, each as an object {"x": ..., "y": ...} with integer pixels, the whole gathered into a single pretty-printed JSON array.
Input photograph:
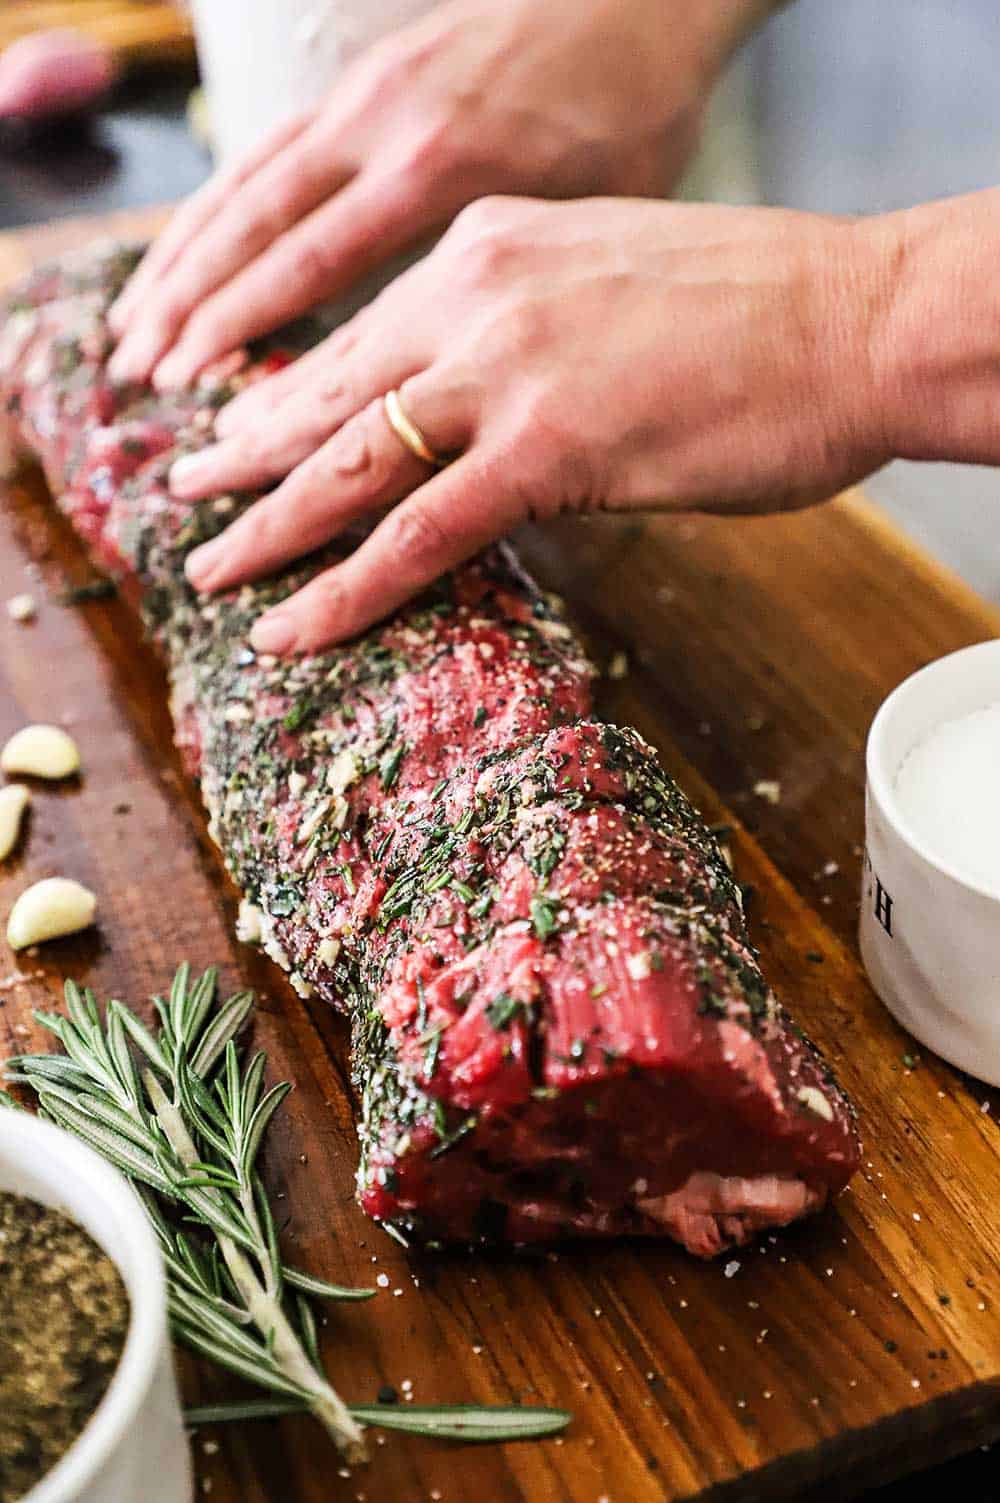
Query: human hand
[
  {"x": 561, "y": 99},
  {"x": 602, "y": 354}
]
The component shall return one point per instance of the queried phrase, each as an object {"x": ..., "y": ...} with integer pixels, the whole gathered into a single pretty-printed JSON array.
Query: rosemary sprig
[
  {"x": 184, "y": 1118},
  {"x": 185, "y": 1121},
  {"x": 447, "y": 1421}
]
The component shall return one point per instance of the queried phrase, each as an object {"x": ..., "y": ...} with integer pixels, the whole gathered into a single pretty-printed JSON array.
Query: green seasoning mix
[{"x": 63, "y": 1318}]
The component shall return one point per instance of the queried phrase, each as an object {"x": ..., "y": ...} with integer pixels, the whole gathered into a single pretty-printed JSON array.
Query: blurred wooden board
[
  {"x": 854, "y": 1349},
  {"x": 139, "y": 31}
]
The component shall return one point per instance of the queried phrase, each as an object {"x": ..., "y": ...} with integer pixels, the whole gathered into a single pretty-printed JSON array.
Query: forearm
[
  {"x": 716, "y": 28},
  {"x": 935, "y": 338}
]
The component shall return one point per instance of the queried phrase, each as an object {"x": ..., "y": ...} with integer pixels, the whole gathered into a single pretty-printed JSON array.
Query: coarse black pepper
[{"x": 64, "y": 1316}]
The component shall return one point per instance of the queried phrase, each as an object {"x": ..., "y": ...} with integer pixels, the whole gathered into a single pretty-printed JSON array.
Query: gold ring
[{"x": 407, "y": 431}]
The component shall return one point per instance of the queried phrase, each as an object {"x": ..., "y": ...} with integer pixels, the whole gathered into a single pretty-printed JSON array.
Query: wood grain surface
[
  {"x": 850, "y": 1350},
  {"x": 138, "y": 31}
]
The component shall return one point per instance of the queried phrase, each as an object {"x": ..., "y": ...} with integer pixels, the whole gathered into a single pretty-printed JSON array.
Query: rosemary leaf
[
  {"x": 464, "y": 1421},
  {"x": 308, "y": 1283},
  {"x": 457, "y": 1422},
  {"x": 262, "y": 1372},
  {"x": 258, "y": 1125},
  {"x": 226, "y": 1024},
  {"x": 249, "y": 1409}
]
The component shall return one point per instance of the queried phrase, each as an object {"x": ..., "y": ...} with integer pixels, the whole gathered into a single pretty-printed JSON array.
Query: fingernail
[
  {"x": 116, "y": 319},
  {"x": 120, "y": 367},
  {"x": 202, "y": 562},
  {"x": 228, "y": 421},
  {"x": 273, "y": 633},
  {"x": 160, "y": 379},
  {"x": 171, "y": 373},
  {"x": 186, "y": 473}
]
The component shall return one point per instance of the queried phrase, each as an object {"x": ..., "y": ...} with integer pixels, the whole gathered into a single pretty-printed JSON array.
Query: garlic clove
[
  {"x": 42, "y": 751},
  {"x": 49, "y": 909},
  {"x": 13, "y": 801}
]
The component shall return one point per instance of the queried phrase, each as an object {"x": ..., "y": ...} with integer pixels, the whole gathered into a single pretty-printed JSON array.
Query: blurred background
[{"x": 847, "y": 107}]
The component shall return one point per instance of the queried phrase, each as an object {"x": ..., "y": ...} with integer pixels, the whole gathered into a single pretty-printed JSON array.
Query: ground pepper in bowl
[{"x": 64, "y": 1316}]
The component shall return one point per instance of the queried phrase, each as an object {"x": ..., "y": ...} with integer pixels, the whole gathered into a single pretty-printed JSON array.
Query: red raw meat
[{"x": 560, "y": 1027}]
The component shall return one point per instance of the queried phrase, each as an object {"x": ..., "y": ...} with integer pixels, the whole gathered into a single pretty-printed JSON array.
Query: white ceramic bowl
[
  {"x": 133, "y": 1449},
  {"x": 930, "y": 937},
  {"x": 264, "y": 60}
]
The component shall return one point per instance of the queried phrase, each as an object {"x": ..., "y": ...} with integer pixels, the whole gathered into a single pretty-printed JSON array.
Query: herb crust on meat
[{"x": 560, "y": 1027}]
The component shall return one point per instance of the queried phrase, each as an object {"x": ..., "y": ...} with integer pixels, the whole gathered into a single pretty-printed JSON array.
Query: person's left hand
[{"x": 598, "y": 354}]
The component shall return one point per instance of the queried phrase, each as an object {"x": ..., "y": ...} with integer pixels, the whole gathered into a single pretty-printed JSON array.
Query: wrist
[{"x": 935, "y": 340}]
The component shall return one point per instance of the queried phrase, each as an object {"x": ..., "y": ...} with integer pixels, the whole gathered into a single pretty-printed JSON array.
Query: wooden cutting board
[
  {"x": 139, "y": 31},
  {"x": 850, "y": 1350}
]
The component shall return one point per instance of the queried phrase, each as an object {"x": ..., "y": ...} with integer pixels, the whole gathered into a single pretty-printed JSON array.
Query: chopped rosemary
[
  {"x": 502, "y": 1010},
  {"x": 389, "y": 766},
  {"x": 543, "y": 916}
]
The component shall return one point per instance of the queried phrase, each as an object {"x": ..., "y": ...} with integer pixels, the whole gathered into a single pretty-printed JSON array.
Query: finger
[
  {"x": 363, "y": 467},
  {"x": 446, "y": 521},
  {"x": 275, "y": 198},
  {"x": 368, "y": 221},
  {"x": 197, "y": 211},
  {"x": 295, "y": 428},
  {"x": 390, "y": 310},
  {"x": 259, "y": 399}
]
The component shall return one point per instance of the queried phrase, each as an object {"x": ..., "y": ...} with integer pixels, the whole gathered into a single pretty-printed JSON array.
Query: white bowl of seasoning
[
  {"x": 133, "y": 1447},
  {"x": 930, "y": 902}
]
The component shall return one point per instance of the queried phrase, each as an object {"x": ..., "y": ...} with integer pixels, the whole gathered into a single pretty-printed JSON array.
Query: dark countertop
[{"x": 137, "y": 152}]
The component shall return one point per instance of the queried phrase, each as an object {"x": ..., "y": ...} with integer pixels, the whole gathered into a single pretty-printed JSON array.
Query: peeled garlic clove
[
  {"x": 49, "y": 909},
  {"x": 13, "y": 802},
  {"x": 43, "y": 751}
]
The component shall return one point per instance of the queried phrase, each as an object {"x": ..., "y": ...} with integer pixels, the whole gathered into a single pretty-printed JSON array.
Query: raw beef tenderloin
[{"x": 559, "y": 1024}]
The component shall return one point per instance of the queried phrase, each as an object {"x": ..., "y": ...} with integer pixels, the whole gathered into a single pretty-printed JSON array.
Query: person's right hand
[{"x": 564, "y": 98}]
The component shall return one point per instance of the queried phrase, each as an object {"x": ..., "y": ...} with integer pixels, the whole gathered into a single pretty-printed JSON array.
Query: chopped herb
[
  {"x": 543, "y": 916},
  {"x": 479, "y": 717},
  {"x": 389, "y": 766},
  {"x": 433, "y": 1050},
  {"x": 502, "y": 1010},
  {"x": 285, "y": 898},
  {"x": 299, "y": 714},
  {"x": 450, "y": 1139}
]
